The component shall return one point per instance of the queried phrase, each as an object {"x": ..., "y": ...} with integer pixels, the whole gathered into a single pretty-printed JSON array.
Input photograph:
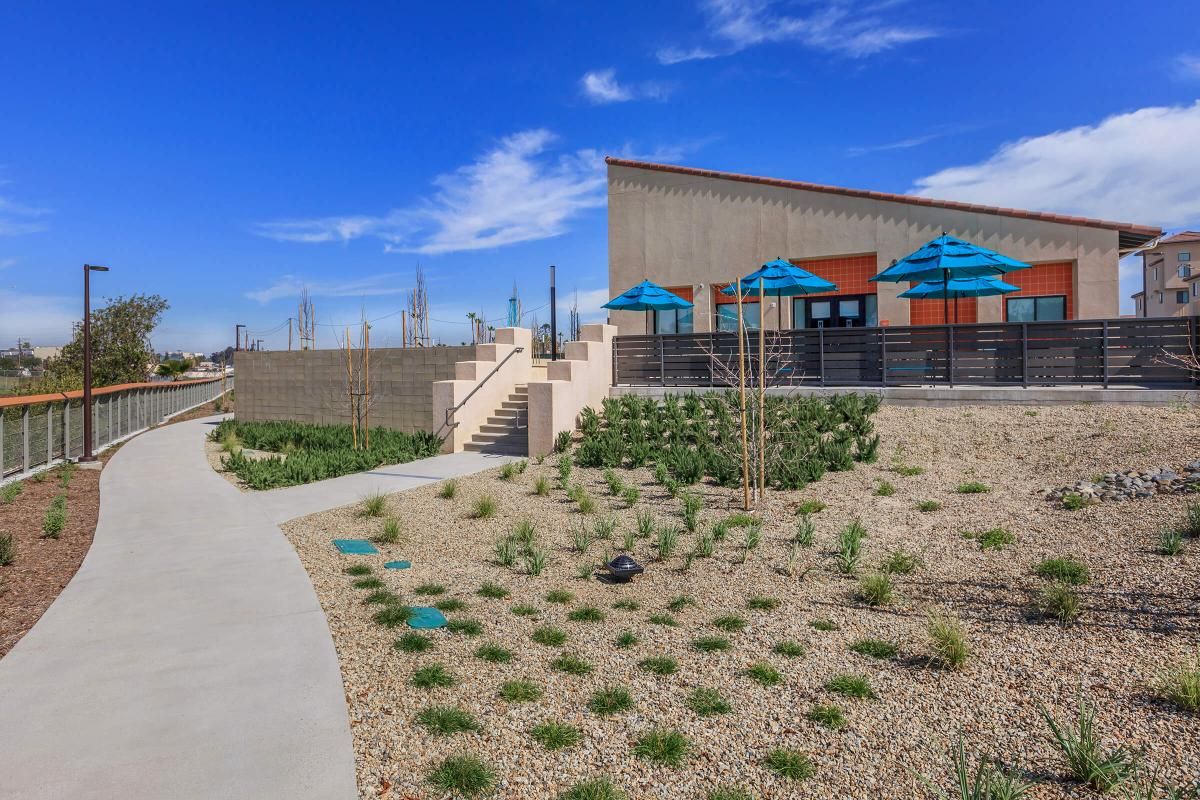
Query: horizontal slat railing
[
  {"x": 38, "y": 431},
  {"x": 1078, "y": 352}
]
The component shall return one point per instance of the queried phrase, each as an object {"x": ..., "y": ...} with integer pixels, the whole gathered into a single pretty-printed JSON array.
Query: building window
[
  {"x": 725, "y": 310},
  {"x": 1158, "y": 296},
  {"x": 1185, "y": 270},
  {"x": 1036, "y": 309},
  {"x": 1196, "y": 289},
  {"x": 1154, "y": 273},
  {"x": 1181, "y": 296},
  {"x": 677, "y": 320},
  {"x": 1183, "y": 255}
]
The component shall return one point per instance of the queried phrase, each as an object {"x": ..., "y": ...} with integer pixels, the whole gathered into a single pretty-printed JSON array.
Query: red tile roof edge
[
  {"x": 1182, "y": 236},
  {"x": 954, "y": 205}
]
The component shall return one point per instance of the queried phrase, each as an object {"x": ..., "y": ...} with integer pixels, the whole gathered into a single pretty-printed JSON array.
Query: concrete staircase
[{"x": 507, "y": 430}]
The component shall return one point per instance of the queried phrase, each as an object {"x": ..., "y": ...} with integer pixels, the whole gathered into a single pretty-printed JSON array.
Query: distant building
[
  {"x": 46, "y": 352},
  {"x": 1170, "y": 277}
]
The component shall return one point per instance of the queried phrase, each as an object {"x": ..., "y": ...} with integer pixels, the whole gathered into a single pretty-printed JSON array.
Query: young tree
[
  {"x": 174, "y": 369},
  {"x": 121, "y": 351}
]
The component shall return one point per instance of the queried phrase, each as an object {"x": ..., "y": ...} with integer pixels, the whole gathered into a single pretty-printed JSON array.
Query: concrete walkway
[{"x": 188, "y": 657}]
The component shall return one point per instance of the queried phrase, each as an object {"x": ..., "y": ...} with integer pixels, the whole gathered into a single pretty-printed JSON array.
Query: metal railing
[
  {"x": 450, "y": 423},
  {"x": 39, "y": 431},
  {"x": 1075, "y": 352}
]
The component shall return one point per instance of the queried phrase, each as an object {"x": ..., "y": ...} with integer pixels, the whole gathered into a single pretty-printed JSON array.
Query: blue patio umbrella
[
  {"x": 946, "y": 258},
  {"x": 781, "y": 278},
  {"x": 647, "y": 296},
  {"x": 959, "y": 287}
]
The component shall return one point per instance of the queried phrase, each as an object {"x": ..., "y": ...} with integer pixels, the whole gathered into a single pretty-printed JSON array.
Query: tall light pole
[
  {"x": 237, "y": 336},
  {"x": 88, "y": 269},
  {"x": 553, "y": 319}
]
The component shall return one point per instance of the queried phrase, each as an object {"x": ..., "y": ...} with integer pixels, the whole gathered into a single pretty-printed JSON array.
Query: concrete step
[
  {"x": 496, "y": 449},
  {"x": 515, "y": 404},
  {"x": 510, "y": 429},
  {"x": 510, "y": 413},
  {"x": 508, "y": 434}
]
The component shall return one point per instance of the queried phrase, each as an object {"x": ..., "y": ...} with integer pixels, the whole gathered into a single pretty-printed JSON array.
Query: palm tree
[
  {"x": 174, "y": 369},
  {"x": 471, "y": 317}
]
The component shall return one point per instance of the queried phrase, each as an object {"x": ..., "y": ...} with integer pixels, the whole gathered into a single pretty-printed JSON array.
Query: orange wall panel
[{"x": 1042, "y": 280}]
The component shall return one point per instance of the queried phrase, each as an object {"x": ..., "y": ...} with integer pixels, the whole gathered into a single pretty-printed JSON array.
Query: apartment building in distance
[{"x": 1170, "y": 277}]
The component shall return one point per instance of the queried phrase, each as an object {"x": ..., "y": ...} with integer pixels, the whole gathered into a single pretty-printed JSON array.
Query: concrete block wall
[
  {"x": 310, "y": 385},
  {"x": 581, "y": 379}
]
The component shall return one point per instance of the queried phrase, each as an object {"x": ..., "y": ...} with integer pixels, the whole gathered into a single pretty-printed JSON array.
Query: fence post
[
  {"x": 821, "y": 352},
  {"x": 67, "y": 430},
  {"x": 1104, "y": 347},
  {"x": 1025, "y": 354},
  {"x": 49, "y": 433},
  {"x": 950, "y": 350},
  {"x": 662, "y": 367},
  {"x": 883, "y": 355},
  {"x": 712, "y": 349},
  {"x": 25, "y": 461},
  {"x": 1, "y": 444}
]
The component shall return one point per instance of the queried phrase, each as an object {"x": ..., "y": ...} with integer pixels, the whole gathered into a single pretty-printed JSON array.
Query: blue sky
[{"x": 226, "y": 154}]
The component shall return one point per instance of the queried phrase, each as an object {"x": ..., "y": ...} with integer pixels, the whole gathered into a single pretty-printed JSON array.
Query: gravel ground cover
[{"x": 751, "y": 692}]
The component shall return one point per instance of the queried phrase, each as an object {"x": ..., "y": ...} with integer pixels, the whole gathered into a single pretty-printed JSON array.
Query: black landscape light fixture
[
  {"x": 88, "y": 269},
  {"x": 623, "y": 567}
]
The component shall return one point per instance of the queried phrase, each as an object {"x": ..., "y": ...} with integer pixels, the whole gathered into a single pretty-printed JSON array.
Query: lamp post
[
  {"x": 553, "y": 318},
  {"x": 88, "y": 269},
  {"x": 237, "y": 336}
]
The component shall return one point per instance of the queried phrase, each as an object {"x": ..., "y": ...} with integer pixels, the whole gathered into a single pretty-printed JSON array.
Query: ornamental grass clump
[
  {"x": 1180, "y": 685},
  {"x": 610, "y": 700},
  {"x": 790, "y": 764},
  {"x": 374, "y": 504},
  {"x": 691, "y": 504},
  {"x": 390, "y": 532},
  {"x": 1087, "y": 761},
  {"x": 661, "y": 746},
  {"x": 8, "y": 549},
  {"x": 597, "y": 789},
  {"x": 56, "y": 517},
  {"x": 448, "y": 489},
  {"x": 556, "y": 736},
  {"x": 764, "y": 674},
  {"x": 947, "y": 641},
  {"x": 827, "y": 716},
  {"x": 1065, "y": 570},
  {"x": 849, "y": 552},
  {"x": 708, "y": 702},
  {"x": 876, "y": 590},
  {"x": 462, "y": 775},
  {"x": 666, "y": 541},
  {"x": 659, "y": 665},
  {"x": 571, "y": 664},
  {"x": 988, "y": 781},
  {"x": 1058, "y": 601},
  {"x": 432, "y": 676},
  {"x": 493, "y": 653},
  {"x": 519, "y": 692},
  {"x": 447, "y": 720},
  {"x": 484, "y": 507},
  {"x": 856, "y": 686}
]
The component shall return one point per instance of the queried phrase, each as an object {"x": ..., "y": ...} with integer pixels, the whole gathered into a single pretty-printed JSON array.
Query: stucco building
[
  {"x": 1170, "y": 277},
  {"x": 694, "y": 231}
]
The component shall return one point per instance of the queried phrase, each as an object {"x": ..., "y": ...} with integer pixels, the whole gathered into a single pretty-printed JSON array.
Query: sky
[{"x": 227, "y": 155}]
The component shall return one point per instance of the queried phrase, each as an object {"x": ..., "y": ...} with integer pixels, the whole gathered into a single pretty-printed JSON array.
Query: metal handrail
[{"x": 451, "y": 411}]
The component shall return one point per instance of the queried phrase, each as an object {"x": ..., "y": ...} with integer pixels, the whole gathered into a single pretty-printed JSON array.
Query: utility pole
[
  {"x": 88, "y": 269},
  {"x": 259, "y": 348},
  {"x": 553, "y": 319},
  {"x": 237, "y": 336},
  {"x": 289, "y": 334}
]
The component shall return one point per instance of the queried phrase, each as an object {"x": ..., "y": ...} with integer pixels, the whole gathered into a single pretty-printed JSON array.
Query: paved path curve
[{"x": 188, "y": 657}]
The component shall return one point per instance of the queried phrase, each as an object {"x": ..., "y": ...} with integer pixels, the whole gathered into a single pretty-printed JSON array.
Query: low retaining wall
[
  {"x": 310, "y": 385},
  {"x": 962, "y": 395}
]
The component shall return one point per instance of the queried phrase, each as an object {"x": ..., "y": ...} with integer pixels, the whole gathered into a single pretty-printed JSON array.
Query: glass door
[{"x": 834, "y": 312}]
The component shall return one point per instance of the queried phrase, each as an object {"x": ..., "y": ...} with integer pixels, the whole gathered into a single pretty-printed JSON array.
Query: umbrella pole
[{"x": 946, "y": 296}]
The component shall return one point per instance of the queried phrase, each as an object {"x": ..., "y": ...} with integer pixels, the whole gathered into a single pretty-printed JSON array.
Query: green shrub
[
  {"x": 806, "y": 531},
  {"x": 382, "y": 597},
  {"x": 448, "y": 489},
  {"x": 666, "y": 541},
  {"x": 562, "y": 441},
  {"x": 659, "y": 665},
  {"x": 571, "y": 664},
  {"x": 851, "y": 686},
  {"x": 807, "y": 507},
  {"x": 1073, "y": 501},
  {"x": 731, "y": 623},
  {"x": 926, "y": 506},
  {"x": 828, "y": 716},
  {"x": 710, "y": 644},
  {"x": 741, "y": 519},
  {"x": 610, "y": 700},
  {"x": 522, "y": 610},
  {"x": 9, "y": 492},
  {"x": 550, "y": 636},
  {"x": 390, "y": 533},
  {"x": 586, "y": 614},
  {"x": 493, "y": 653},
  {"x": 446, "y": 720},
  {"x": 559, "y": 596},
  {"x": 358, "y": 569},
  {"x": 1058, "y": 601},
  {"x": 368, "y": 583},
  {"x": 564, "y": 471},
  {"x": 8, "y": 549},
  {"x": 627, "y": 605},
  {"x": 906, "y": 470},
  {"x": 680, "y": 603},
  {"x": 988, "y": 780},
  {"x": 555, "y": 735},
  {"x": 432, "y": 676},
  {"x": 763, "y": 673},
  {"x": 1180, "y": 685},
  {"x": 463, "y": 775},
  {"x": 708, "y": 702},
  {"x": 374, "y": 504},
  {"x": 1191, "y": 519},
  {"x": 536, "y": 559},
  {"x": 519, "y": 692},
  {"x": 484, "y": 507},
  {"x": 1170, "y": 542},
  {"x": 790, "y": 764},
  {"x": 626, "y": 639},
  {"x": 876, "y": 590},
  {"x": 875, "y": 648},
  {"x": 1087, "y": 762},
  {"x": 994, "y": 539},
  {"x": 393, "y": 615},
  {"x": 630, "y": 495},
  {"x": 467, "y": 627},
  {"x": 948, "y": 641},
  {"x": 663, "y": 619},
  {"x": 541, "y": 487},
  {"x": 762, "y": 603},
  {"x": 900, "y": 562},
  {"x": 662, "y": 746},
  {"x": 56, "y": 517},
  {"x": 413, "y": 643},
  {"x": 492, "y": 591},
  {"x": 428, "y": 589},
  {"x": 314, "y": 452},
  {"x": 789, "y": 649},
  {"x": 885, "y": 489},
  {"x": 1065, "y": 570},
  {"x": 691, "y": 504},
  {"x": 973, "y": 487},
  {"x": 849, "y": 552}
]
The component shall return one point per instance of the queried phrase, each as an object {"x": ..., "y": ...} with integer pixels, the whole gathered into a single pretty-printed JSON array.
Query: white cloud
[
  {"x": 1187, "y": 66},
  {"x": 291, "y": 286},
  {"x": 899, "y": 144},
  {"x": 515, "y": 192},
  {"x": 16, "y": 219},
  {"x": 1142, "y": 166},
  {"x": 847, "y": 27},
  {"x": 5, "y": 263},
  {"x": 601, "y": 87}
]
